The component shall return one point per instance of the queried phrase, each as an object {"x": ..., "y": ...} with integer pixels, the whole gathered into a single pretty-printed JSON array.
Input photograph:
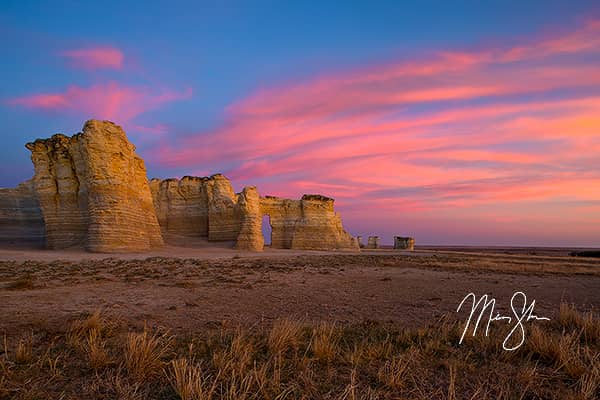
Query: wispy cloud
[
  {"x": 93, "y": 58},
  {"x": 488, "y": 126},
  {"x": 111, "y": 100}
]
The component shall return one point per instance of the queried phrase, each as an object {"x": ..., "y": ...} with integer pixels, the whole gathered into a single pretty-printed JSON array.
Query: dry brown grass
[
  {"x": 189, "y": 382},
  {"x": 395, "y": 371},
  {"x": 589, "y": 383},
  {"x": 284, "y": 334},
  {"x": 571, "y": 319},
  {"x": 324, "y": 342},
  {"x": 95, "y": 324},
  {"x": 295, "y": 361},
  {"x": 144, "y": 353},
  {"x": 24, "y": 351},
  {"x": 95, "y": 348}
]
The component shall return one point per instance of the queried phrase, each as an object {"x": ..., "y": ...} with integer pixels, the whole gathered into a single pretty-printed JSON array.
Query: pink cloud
[
  {"x": 111, "y": 100},
  {"x": 467, "y": 132},
  {"x": 95, "y": 58}
]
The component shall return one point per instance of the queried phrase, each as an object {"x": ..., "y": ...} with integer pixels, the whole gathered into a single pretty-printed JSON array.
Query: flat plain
[{"x": 341, "y": 301}]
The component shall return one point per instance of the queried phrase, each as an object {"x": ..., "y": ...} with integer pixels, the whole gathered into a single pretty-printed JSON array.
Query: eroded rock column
[
  {"x": 93, "y": 191},
  {"x": 250, "y": 236}
]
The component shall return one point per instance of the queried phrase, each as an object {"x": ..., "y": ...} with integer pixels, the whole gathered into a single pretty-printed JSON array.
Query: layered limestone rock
[
  {"x": 404, "y": 243},
  {"x": 63, "y": 200},
  {"x": 283, "y": 215},
  {"x": 93, "y": 191},
  {"x": 250, "y": 236},
  {"x": 197, "y": 207},
  {"x": 209, "y": 207},
  {"x": 181, "y": 206},
  {"x": 224, "y": 219},
  {"x": 309, "y": 223},
  {"x": 21, "y": 220},
  {"x": 373, "y": 242},
  {"x": 320, "y": 226},
  {"x": 359, "y": 242}
]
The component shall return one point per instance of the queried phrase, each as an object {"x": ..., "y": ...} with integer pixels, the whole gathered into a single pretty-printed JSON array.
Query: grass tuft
[
  {"x": 24, "y": 351},
  {"x": 284, "y": 334},
  {"x": 325, "y": 342},
  {"x": 144, "y": 354}
]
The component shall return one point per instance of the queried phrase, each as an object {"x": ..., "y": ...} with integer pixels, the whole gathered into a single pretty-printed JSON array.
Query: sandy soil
[{"x": 203, "y": 288}]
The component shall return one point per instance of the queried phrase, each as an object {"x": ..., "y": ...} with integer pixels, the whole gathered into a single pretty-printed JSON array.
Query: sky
[{"x": 457, "y": 123}]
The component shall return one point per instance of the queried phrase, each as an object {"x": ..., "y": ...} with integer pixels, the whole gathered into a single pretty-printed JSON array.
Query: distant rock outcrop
[
  {"x": 373, "y": 242},
  {"x": 21, "y": 220},
  {"x": 308, "y": 223},
  {"x": 93, "y": 191},
  {"x": 208, "y": 207},
  {"x": 404, "y": 243}
]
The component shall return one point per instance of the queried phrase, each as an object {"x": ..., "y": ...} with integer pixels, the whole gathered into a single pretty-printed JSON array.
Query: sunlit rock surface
[
  {"x": 93, "y": 191},
  {"x": 308, "y": 223}
]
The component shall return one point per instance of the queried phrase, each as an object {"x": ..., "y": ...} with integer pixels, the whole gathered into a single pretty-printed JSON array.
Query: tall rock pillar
[{"x": 93, "y": 191}]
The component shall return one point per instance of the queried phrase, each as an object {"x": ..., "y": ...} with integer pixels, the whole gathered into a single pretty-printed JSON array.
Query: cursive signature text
[{"x": 485, "y": 307}]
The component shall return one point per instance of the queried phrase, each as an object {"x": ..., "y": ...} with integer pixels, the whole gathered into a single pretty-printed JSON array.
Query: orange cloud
[{"x": 95, "y": 58}]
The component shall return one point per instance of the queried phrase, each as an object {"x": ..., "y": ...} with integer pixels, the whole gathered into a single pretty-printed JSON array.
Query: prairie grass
[
  {"x": 324, "y": 342},
  {"x": 144, "y": 353},
  {"x": 284, "y": 334},
  {"x": 95, "y": 359},
  {"x": 189, "y": 382},
  {"x": 24, "y": 351},
  {"x": 95, "y": 348}
]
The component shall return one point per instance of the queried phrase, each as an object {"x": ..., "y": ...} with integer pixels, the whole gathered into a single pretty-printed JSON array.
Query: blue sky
[{"x": 194, "y": 73}]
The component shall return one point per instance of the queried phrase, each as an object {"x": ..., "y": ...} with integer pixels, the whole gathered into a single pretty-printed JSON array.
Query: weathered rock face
[
  {"x": 208, "y": 207},
  {"x": 373, "y": 242},
  {"x": 21, "y": 220},
  {"x": 181, "y": 206},
  {"x": 359, "y": 241},
  {"x": 197, "y": 207},
  {"x": 250, "y": 236},
  {"x": 62, "y": 199},
  {"x": 320, "y": 226},
  {"x": 224, "y": 219},
  {"x": 309, "y": 223},
  {"x": 93, "y": 191},
  {"x": 283, "y": 215},
  {"x": 404, "y": 243}
]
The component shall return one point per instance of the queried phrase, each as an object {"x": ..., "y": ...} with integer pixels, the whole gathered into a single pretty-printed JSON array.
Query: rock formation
[
  {"x": 208, "y": 207},
  {"x": 373, "y": 242},
  {"x": 309, "y": 223},
  {"x": 93, "y": 191},
  {"x": 250, "y": 236},
  {"x": 404, "y": 243},
  {"x": 359, "y": 242},
  {"x": 21, "y": 220},
  {"x": 224, "y": 219},
  {"x": 181, "y": 206}
]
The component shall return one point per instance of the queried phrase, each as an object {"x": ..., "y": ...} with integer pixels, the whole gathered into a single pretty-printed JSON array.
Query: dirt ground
[{"x": 204, "y": 288}]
